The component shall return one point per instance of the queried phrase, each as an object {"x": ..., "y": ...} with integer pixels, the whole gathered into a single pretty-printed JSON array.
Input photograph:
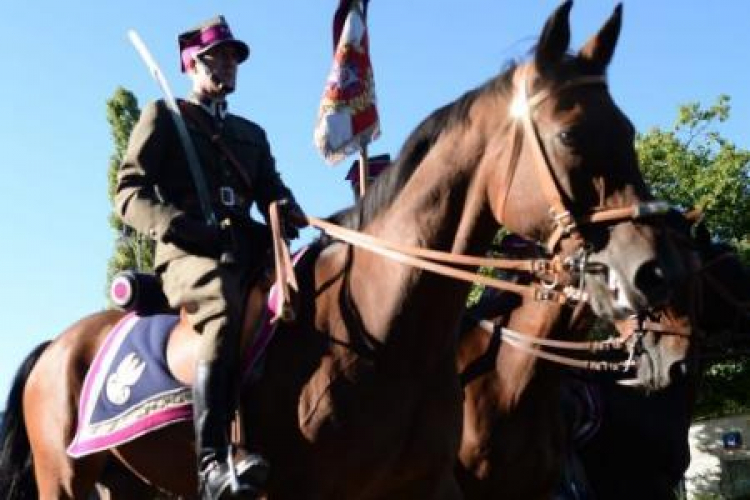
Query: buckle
[
  {"x": 545, "y": 294},
  {"x": 651, "y": 208},
  {"x": 227, "y": 197},
  {"x": 564, "y": 220}
]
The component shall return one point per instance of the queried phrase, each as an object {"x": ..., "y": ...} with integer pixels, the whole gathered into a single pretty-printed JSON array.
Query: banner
[{"x": 348, "y": 115}]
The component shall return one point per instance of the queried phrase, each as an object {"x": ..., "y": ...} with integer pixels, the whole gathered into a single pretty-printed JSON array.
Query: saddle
[{"x": 141, "y": 293}]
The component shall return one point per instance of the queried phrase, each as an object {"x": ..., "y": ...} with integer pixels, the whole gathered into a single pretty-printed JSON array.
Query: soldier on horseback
[{"x": 207, "y": 268}]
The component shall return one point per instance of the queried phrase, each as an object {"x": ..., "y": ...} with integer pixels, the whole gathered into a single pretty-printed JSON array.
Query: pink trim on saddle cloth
[
  {"x": 103, "y": 357},
  {"x": 146, "y": 425}
]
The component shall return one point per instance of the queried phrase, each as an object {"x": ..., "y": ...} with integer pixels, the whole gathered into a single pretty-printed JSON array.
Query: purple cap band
[
  {"x": 197, "y": 41},
  {"x": 208, "y": 38},
  {"x": 215, "y": 34}
]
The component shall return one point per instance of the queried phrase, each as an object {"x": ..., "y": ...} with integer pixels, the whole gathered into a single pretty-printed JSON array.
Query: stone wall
[{"x": 719, "y": 471}]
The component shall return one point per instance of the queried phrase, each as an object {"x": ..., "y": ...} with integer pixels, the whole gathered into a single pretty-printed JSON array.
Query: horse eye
[{"x": 568, "y": 138}]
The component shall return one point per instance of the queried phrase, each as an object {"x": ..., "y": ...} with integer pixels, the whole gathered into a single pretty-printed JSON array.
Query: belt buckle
[{"x": 226, "y": 195}]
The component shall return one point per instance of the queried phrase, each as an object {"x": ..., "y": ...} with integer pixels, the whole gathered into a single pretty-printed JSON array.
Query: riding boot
[{"x": 221, "y": 475}]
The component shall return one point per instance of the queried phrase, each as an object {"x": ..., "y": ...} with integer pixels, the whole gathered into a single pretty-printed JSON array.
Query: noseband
[{"x": 565, "y": 223}]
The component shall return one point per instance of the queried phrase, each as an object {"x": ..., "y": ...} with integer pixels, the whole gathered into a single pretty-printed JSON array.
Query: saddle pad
[{"x": 129, "y": 390}]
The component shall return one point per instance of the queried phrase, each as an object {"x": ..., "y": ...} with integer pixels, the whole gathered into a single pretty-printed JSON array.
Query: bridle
[{"x": 564, "y": 221}]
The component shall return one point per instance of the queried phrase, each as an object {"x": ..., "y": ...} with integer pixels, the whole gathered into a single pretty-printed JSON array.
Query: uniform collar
[{"x": 217, "y": 108}]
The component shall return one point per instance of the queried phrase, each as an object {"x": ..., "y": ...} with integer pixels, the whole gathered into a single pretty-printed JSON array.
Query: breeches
[{"x": 213, "y": 296}]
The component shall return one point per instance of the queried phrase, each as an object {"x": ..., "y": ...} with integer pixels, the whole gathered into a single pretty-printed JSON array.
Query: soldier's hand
[
  {"x": 292, "y": 217},
  {"x": 194, "y": 236}
]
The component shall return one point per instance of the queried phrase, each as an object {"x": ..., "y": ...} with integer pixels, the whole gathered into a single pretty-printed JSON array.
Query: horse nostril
[
  {"x": 679, "y": 371},
  {"x": 652, "y": 281}
]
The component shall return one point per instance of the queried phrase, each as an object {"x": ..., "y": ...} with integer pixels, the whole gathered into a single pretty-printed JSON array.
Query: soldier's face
[{"x": 217, "y": 75}]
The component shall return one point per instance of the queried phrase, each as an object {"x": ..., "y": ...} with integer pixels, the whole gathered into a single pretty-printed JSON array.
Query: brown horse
[
  {"x": 360, "y": 398},
  {"x": 513, "y": 436},
  {"x": 516, "y": 436}
]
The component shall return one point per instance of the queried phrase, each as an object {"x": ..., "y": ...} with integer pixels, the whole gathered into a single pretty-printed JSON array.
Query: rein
[
  {"x": 534, "y": 346},
  {"x": 628, "y": 343},
  {"x": 434, "y": 261}
]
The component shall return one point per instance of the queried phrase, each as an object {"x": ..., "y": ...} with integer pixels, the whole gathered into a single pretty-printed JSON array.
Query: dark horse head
[
  {"x": 708, "y": 314},
  {"x": 586, "y": 186},
  {"x": 649, "y": 430}
]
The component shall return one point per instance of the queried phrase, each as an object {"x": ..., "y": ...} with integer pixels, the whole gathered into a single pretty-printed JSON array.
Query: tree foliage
[
  {"x": 692, "y": 165},
  {"x": 131, "y": 251}
]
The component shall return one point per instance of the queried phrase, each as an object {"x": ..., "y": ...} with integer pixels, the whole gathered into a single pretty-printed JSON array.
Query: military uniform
[
  {"x": 156, "y": 195},
  {"x": 155, "y": 186}
]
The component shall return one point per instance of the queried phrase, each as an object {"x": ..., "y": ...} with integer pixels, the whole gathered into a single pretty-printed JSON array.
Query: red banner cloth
[{"x": 348, "y": 115}]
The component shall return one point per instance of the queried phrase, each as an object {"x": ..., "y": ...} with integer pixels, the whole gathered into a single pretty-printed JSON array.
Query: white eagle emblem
[{"x": 127, "y": 374}]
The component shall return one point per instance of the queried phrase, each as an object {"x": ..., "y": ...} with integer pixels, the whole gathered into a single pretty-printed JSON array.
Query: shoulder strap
[{"x": 199, "y": 120}]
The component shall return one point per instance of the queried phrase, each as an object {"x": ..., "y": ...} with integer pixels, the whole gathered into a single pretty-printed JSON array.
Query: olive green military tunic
[{"x": 154, "y": 186}]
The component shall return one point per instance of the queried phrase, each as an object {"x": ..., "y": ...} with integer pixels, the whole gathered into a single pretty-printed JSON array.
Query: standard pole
[{"x": 364, "y": 171}]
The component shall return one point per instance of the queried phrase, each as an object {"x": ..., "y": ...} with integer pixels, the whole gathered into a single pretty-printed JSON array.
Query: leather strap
[
  {"x": 199, "y": 119},
  {"x": 286, "y": 280},
  {"x": 415, "y": 257}
]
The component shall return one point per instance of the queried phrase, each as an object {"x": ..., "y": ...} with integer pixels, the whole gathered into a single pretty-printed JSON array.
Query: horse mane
[{"x": 383, "y": 191}]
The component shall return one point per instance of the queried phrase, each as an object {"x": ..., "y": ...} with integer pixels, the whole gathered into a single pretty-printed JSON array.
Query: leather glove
[
  {"x": 292, "y": 218},
  {"x": 194, "y": 236}
]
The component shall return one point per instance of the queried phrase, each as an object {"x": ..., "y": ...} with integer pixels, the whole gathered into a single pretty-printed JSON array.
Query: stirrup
[
  {"x": 250, "y": 467},
  {"x": 230, "y": 479}
]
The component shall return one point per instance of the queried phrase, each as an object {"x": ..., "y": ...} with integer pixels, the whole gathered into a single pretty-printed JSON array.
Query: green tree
[
  {"x": 692, "y": 165},
  {"x": 132, "y": 251}
]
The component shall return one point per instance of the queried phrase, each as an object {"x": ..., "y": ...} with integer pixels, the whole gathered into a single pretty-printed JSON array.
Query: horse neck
[
  {"x": 441, "y": 207},
  {"x": 722, "y": 295},
  {"x": 444, "y": 204}
]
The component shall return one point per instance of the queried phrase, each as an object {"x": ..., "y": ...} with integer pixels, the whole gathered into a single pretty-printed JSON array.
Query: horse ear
[
  {"x": 555, "y": 38},
  {"x": 599, "y": 49}
]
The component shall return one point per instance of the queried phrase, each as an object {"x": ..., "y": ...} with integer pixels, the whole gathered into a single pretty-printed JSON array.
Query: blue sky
[{"x": 63, "y": 60}]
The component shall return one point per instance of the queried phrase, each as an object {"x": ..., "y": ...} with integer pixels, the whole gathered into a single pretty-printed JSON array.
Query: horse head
[
  {"x": 706, "y": 316},
  {"x": 572, "y": 175},
  {"x": 663, "y": 338}
]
